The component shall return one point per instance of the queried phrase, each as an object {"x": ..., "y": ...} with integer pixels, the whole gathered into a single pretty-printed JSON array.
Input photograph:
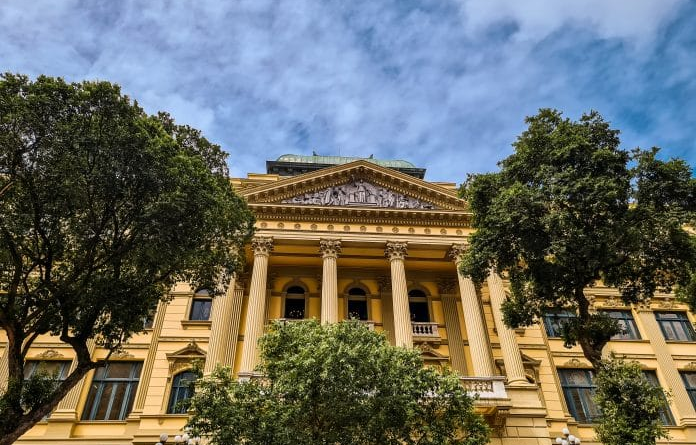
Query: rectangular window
[
  {"x": 357, "y": 309},
  {"x": 690, "y": 383},
  {"x": 665, "y": 413},
  {"x": 627, "y": 325},
  {"x": 112, "y": 391},
  {"x": 57, "y": 368},
  {"x": 553, "y": 321},
  {"x": 200, "y": 309},
  {"x": 675, "y": 326},
  {"x": 579, "y": 390}
]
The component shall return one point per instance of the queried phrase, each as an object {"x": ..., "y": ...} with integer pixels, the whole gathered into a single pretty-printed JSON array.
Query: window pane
[
  {"x": 578, "y": 390},
  {"x": 419, "y": 311},
  {"x": 200, "y": 309},
  {"x": 357, "y": 309},
  {"x": 294, "y": 308},
  {"x": 112, "y": 391},
  {"x": 665, "y": 413}
]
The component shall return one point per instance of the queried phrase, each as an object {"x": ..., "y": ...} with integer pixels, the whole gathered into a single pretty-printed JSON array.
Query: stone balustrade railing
[
  {"x": 425, "y": 329},
  {"x": 485, "y": 388}
]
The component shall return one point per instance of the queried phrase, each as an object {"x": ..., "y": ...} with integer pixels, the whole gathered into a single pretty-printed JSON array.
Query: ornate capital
[
  {"x": 385, "y": 284},
  {"x": 329, "y": 248},
  {"x": 447, "y": 285},
  {"x": 262, "y": 245},
  {"x": 457, "y": 251},
  {"x": 396, "y": 250}
]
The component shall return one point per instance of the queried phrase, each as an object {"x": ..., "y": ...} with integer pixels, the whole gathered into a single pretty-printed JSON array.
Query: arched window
[
  {"x": 418, "y": 306},
  {"x": 357, "y": 304},
  {"x": 294, "y": 303},
  {"x": 181, "y": 390}
]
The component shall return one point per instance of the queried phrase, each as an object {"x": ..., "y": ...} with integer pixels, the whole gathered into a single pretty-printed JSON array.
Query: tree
[
  {"x": 569, "y": 209},
  {"x": 103, "y": 208},
  {"x": 335, "y": 384},
  {"x": 621, "y": 384},
  {"x": 566, "y": 211}
]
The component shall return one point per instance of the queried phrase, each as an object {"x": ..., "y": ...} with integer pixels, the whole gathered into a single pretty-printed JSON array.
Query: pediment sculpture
[{"x": 359, "y": 193}]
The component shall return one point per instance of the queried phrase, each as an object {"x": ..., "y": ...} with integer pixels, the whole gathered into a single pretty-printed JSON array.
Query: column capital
[
  {"x": 262, "y": 245},
  {"x": 457, "y": 251},
  {"x": 447, "y": 286},
  {"x": 396, "y": 250},
  {"x": 329, "y": 247}
]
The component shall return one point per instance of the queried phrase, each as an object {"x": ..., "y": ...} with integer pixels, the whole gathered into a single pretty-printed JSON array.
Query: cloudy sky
[{"x": 445, "y": 84}]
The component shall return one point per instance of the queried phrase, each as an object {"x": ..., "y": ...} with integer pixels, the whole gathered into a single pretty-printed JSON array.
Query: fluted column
[
  {"x": 481, "y": 357},
  {"x": 67, "y": 407},
  {"x": 512, "y": 356},
  {"x": 256, "y": 306},
  {"x": 403, "y": 332},
  {"x": 666, "y": 363},
  {"x": 220, "y": 328},
  {"x": 329, "y": 248}
]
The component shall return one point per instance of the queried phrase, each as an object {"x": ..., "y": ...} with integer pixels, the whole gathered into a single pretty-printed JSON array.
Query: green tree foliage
[
  {"x": 619, "y": 385},
  {"x": 568, "y": 209},
  {"x": 335, "y": 384},
  {"x": 103, "y": 208}
]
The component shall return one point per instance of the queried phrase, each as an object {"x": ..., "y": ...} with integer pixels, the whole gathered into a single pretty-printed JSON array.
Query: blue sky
[{"x": 445, "y": 84}]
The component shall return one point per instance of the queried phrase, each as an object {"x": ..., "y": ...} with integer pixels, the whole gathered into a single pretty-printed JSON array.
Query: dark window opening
[
  {"x": 295, "y": 303},
  {"x": 418, "y": 306},
  {"x": 357, "y": 309},
  {"x": 182, "y": 390}
]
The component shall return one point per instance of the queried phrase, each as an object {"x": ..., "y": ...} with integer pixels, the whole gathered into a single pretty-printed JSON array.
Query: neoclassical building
[{"x": 368, "y": 239}]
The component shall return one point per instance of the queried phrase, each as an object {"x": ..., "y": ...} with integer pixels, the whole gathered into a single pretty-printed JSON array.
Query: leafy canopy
[
  {"x": 620, "y": 385},
  {"x": 570, "y": 208},
  {"x": 103, "y": 208},
  {"x": 335, "y": 384}
]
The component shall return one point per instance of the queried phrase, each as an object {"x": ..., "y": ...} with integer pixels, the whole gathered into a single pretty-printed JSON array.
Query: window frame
[
  {"x": 293, "y": 296},
  {"x": 585, "y": 393},
  {"x": 364, "y": 298},
  {"x": 632, "y": 332},
  {"x": 101, "y": 381},
  {"x": 552, "y": 328},
  {"x": 691, "y": 390},
  {"x": 666, "y": 416},
  {"x": 174, "y": 398},
  {"x": 425, "y": 298},
  {"x": 200, "y": 300},
  {"x": 682, "y": 320}
]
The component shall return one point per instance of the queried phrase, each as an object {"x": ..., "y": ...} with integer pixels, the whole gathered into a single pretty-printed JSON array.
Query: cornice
[{"x": 292, "y": 212}]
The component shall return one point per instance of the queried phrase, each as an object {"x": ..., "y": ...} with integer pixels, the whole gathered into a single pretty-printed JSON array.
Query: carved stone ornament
[
  {"x": 575, "y": 363},
  {"x": 396, "y": 250},
  {"x": 121, "y": 354},
  {"x": 50, "y": 354},
  {"x": 457, "y": 251},
  {"x": 691, "y": 366},
  {"x": 359, "y": 193},
  {"x": 329, "y": 248},
  {"x": 184, "y": 358},
  {"x": 262, "y": 245},
  {"x": 667, "y": 303},
  {"x": 446, "y": 285},
  {"x": 385, "y": 284}
]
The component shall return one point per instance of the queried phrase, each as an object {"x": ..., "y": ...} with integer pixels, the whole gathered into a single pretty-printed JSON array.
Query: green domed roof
[{"x": 337, "y": 160}]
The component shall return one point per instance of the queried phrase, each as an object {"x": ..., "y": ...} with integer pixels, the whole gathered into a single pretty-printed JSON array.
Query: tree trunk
[
  {"x": 591, "y": 351},
  {"x": 25, "y": 422}
]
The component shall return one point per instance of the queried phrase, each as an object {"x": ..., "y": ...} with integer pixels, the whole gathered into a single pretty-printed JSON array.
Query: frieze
[{"x": 359, "y": 193}]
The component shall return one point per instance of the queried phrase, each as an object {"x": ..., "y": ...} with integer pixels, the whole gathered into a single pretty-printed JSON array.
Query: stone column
[
  {"x": 329, "y": 248},
  {"x": 220, "y": 328},
  {"x": 447, "y": 288},
  {"x": 403, "y": 332},
  {"x": 512, "y": 356},
  {"x": 256, "y": 307},
  {"x": 666, "y": 363},
  {"x": 481, "y": 357}
]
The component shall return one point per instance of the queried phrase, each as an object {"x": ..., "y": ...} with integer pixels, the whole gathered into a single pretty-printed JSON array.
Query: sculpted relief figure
[{"x": 359, "y": 193}]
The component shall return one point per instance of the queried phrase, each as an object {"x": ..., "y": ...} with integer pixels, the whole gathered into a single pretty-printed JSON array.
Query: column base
[{"x": 245, "y": 376}]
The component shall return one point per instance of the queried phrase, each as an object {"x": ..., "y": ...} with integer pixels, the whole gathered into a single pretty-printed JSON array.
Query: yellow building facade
[{"x": 341, "y": 238}]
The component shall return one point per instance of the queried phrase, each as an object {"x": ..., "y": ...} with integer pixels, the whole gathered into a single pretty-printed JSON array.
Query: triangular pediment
[
  {"x": 358, "y": 184},
  {"x": 359, "y": 193}
]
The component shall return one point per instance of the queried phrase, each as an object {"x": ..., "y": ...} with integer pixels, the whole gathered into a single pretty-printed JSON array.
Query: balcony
[
  {"x": 492, "y": 400},
  {"x": 425, "y": 332}
]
